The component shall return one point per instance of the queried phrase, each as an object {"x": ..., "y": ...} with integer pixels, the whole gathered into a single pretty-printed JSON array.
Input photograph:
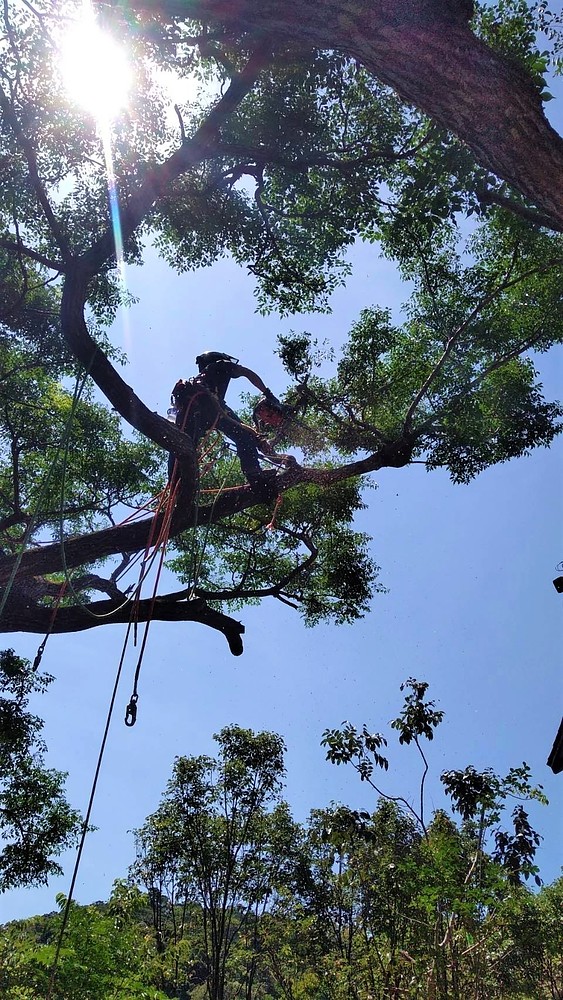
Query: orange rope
[
  {"x": 161, "y": 543},
  {"x": 271, "y": 526},
  {"x": 166, "y": 500}
]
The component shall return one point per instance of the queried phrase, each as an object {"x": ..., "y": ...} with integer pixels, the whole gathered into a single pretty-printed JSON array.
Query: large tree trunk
[{"x": 426, "y": 51}]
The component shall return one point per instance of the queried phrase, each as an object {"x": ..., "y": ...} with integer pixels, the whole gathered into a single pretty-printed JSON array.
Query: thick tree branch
[
  {"x": 18, "y": 617},
  {"x": 17, "y": 517},
  {"x": 134, "y": 537},
  {"x": 489, "y": 197},
  {"x": 115, "y": 389},
  {"x": 91, "y": 581},
  {"x": 20, "y": 248},
  {"x": 425, "y": 50}
]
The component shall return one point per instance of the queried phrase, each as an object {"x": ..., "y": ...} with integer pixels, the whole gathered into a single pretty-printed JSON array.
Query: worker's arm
[{"x": 239, "y": 371}]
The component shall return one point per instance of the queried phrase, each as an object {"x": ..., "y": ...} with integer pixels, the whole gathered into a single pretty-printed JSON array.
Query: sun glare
[{"x": 94, "y": 68}]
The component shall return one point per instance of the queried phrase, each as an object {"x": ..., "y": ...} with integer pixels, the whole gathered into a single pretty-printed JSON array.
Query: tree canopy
[{"x": 312, "y": 128}]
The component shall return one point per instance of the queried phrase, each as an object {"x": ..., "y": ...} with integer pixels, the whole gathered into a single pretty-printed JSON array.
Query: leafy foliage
[
  {"x": 305, "y": 555},
  {"x": 215, "y": 845},
  {"x": 478, "y": 796},
  {"x": 104, "y": 954},
  {"x": 418, "y": 718},
  {"x": 239, "y": 898},
  {"x": 36, "y": 821}
]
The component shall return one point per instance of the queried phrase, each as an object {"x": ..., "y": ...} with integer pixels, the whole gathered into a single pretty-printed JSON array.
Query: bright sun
[{"x": 94, "y": 68}]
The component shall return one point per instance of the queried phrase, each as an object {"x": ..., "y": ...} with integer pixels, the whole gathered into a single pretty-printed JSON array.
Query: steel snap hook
[{"x": 131, "y": 711}]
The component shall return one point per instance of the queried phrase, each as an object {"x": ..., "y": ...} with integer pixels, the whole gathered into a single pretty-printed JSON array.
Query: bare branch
[
  {"x": 181, "y": 121},
  {"x": 306, "y": 393},
  {"x": 264, "y": 156},
  {"x": 276, "y": 589}
]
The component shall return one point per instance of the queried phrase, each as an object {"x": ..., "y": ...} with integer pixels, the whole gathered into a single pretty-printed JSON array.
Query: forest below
[{"x": 228, "y": 896}]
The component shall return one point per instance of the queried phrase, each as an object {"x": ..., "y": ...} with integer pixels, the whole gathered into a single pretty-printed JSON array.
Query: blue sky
[{"x": 470, "y": 608}]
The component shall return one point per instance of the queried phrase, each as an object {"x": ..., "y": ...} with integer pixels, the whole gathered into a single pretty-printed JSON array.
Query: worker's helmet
[
  {"x": 209, "y": 357},
  {"x": 268, "y": 413}
]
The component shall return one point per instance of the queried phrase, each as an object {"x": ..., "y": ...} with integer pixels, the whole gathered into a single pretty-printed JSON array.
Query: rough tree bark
[{"x": 426, "y": 51}]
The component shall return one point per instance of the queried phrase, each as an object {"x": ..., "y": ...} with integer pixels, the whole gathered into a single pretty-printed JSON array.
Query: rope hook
[{"x": 131, "y": 711}]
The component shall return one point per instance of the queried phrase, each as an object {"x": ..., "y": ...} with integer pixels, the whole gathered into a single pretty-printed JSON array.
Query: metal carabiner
[{"x": 131, "y": 711}]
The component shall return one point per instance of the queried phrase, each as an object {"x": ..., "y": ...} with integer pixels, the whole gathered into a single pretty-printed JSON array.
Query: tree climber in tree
[{"x": 200, "y": 404}]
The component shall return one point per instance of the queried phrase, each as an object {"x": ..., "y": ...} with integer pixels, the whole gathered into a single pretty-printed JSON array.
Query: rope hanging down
[
  {"x": 161, "y": 544},
  {"x": 86, "y": 823},
  {"x": 131, "y": 711},
  {"x": 41, "y": 648}
]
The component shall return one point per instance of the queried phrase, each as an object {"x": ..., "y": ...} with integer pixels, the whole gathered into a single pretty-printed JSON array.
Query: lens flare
[
  {"x": 94, "y": 68},
  {"x": 97, "y": 76}
]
